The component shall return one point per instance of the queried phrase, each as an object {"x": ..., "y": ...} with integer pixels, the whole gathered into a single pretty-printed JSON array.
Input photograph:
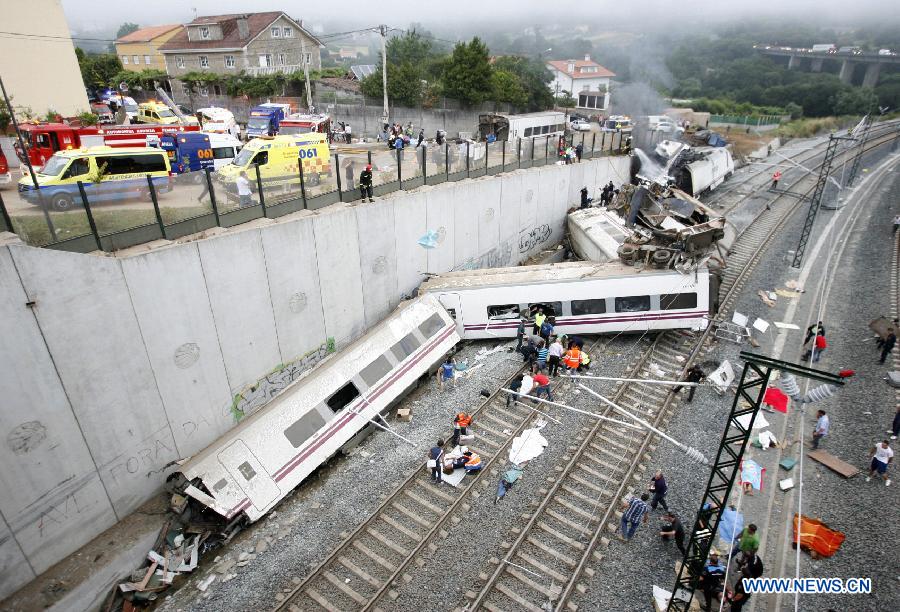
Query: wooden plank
[
  {"x": 372, "y": 555},
  {"x": 521, "y": 601},
  {"x": 424, "y": 502},
  {"x": 543, "y": 568},
  {"x": 833, "y": 463},
  {"x": 392, "y": 545},
  {"x": 401, "y": 528},
  {"x": 532, "y": 582},
  {"x": 553, "y": 552},
  {"x": 412, "y": 516},
  {"x": 350, "y": 565},
  {"x": 320, "y": 599}
]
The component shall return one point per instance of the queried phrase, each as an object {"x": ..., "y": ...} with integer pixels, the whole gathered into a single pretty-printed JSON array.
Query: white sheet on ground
[
  {"x": 761, "y": 324},
  {"x": 759, "y": 423},
  {"x": 661, "y": 597},
  {"x": 739, "y": 319},
  {"x": 455, "y": 478},
  {"x": 527, "y": 446}
]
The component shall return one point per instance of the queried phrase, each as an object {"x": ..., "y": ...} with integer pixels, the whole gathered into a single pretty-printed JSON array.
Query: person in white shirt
[
  {"x": 243, "y": 189},
  {"x": 821, "y": 429},
  {"x": 347, "y": 132},
  {"x": 882, "y": 455}
]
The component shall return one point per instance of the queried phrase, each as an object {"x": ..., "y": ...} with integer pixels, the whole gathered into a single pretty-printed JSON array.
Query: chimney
[
  {"x": 571, "y": 67},
  {"x": 587, "y": 57},
  {"x": 243, "y": 27}
]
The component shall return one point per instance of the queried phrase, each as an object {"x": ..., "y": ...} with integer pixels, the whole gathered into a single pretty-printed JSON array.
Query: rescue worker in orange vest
[
  {"x": 470, "y": 461},
  {"x": 460, "y": 426},
  {"x": 775, "y": 178},
  {"x": 572, "y": 359}
]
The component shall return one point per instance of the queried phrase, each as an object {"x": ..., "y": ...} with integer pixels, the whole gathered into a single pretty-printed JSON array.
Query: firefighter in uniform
[{"x": 365, "y": 183}]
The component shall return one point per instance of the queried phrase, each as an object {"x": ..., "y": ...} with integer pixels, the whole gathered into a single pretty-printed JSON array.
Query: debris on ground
[{"x": 817, "y": 538}]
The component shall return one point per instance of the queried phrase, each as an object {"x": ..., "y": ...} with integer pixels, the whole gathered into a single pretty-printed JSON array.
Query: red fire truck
[
  {"x": 44, "y": 139},
  {"x": 300, "y": 123}
]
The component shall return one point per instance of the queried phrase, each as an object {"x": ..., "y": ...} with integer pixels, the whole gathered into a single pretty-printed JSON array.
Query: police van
[
  {"x": 108, "y": 174},
  {"x": 196, "y": 151},
  {"x": 279, "y": 159}
]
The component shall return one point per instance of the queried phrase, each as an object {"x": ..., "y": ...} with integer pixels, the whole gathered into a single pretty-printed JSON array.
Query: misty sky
[{"x": 87, "y": 15}]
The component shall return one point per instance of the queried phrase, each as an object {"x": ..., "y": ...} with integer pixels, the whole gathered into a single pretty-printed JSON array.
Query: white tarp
[
  {"x": 722, "y": 377},
  {"x": 527, "y": 446},
  {"x": 759, "y": 423}
]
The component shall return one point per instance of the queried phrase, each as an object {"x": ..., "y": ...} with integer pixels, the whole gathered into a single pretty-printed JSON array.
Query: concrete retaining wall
[{"x": 115, "y": 367}]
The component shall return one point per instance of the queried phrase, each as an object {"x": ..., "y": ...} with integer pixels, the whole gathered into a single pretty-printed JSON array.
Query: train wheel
[
  {"x": 661, "y": 257},
  {"x": 626, "y": 253}
]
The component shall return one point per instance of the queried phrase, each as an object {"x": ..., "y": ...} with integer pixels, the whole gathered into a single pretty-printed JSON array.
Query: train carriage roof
[{"x": 547, "y": 273}]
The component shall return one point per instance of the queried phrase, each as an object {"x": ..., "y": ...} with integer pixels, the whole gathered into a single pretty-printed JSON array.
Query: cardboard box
[{"x": 404, "y": 414}]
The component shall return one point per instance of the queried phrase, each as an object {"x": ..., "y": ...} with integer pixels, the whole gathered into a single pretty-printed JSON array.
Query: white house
[{"x": 586, "y": 80}]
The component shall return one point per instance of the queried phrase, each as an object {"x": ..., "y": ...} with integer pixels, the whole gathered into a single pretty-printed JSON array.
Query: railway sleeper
[
  {"x": 421, "y": 501},
  {"x": 547, "y": 528},
  {"x": 553, "y": 592},
  {"x": 559, "y": 556},
  {"x": 564, "y": 520},
  {"x": 360, "y": 572},
  {"x": 541, "y": 567},
  {"x": 344, "y": 588},
  {"x": 414, "y": 517},
  {"x": 518, "y": 599},
  {"x": 374, "y": 557},
  {"x": 320, "y": 599}
]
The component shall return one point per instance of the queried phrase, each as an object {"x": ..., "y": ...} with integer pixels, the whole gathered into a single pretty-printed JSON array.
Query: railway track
[
  {"x": 550, "y": 561},
  {"x": 370, "y": 562},
  {"x": 563, "y": 537}
]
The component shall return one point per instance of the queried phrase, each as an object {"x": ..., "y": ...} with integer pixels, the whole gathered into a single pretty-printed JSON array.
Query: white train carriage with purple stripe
[
  {"x": 584, "y": 297},
  {"x": 262, "y": 459}
]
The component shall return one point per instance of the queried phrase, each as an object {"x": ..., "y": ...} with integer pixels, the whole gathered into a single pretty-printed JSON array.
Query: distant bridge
[{"x": 849, "y": 61}]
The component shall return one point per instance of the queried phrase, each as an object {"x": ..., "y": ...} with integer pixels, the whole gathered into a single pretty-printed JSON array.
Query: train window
[
  {"x": 376, "y": 370},
  {"x": 587, "y": 307},
  {"x": 551, "y": 309},
  {"x": 503, "y": 311},
  {"x": 431, "y": 325},
  {"x": 246, "y": 471},
  {"x": 674, "y": 301},
  {"x": 633, "y": 303},
  {"x": 528, "y": 132},
  {"x": 405, "y": 347},
  {"x": 304, "y": 427},
  {"x": 342, "y": 397}
]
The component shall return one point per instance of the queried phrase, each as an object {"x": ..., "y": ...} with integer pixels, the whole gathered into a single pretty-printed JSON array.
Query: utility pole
[
  {"x": 306, "y": 72},
  {"x": 385, "y": 113}
]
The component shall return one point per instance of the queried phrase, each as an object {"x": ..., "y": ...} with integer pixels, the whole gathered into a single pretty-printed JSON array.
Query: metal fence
[
  {"x": 110, "y": 215},
  {"x": 748, "y": 120}
]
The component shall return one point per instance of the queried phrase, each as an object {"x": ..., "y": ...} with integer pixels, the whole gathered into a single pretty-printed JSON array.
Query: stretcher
[{"x": 817, "y": 538}]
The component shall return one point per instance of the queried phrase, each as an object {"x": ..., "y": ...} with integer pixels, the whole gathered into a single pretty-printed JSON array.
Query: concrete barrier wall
[{"x": 115, "y": 367}]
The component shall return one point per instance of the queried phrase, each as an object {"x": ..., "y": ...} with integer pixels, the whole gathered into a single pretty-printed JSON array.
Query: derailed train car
[
  {"x": 255, "y": 465},
  {"x": 584, "y": 298}
]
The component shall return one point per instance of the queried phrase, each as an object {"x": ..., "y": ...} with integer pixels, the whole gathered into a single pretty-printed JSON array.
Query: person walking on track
[{"x": 775, "y": 178}]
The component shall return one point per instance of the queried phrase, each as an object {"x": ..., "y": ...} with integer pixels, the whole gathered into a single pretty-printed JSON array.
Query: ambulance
[
  {"x": 108, "y": 175},
  {"x": 279, "y": 159},
  {"x": 157, "y": 112}
]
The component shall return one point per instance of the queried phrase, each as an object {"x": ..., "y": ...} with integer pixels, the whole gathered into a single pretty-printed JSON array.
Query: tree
[
  {"x": 126, "y": 28},
  {"x": 145, "y": 79},
  {"x": 855, "y": 101},
  {"x": 404, "y": 80},
  {"x": 794, "y": 110},
  {"x": 534, "y": 77},
  {"x": 506, "y": 87},
  {"x": 467, "y": 73},
  {"x": 98, "y": 70}
]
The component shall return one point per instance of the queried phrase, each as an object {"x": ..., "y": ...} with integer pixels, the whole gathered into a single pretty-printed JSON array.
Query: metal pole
[
  {"x": 593, "y": 142},
  {"x": 24, "y": 150},
  {"x": 337, "y": 165},
  {"x": 578, "y": 410},
  {"x": 467, "y": 159},
  {"x": 519, "y": 152},
  {"x": 487, "y": 151},
  {"x": 90, "y": 215},
  {"x": 302, "y": 184},
  {"x": 159, "y": 220},
  {"x": 259, "y": 188},
  {"x": 383, "y": 30},
  {"x": 306, "y": 72},
  {"x": 399, "y": 169},
  {"x": 602, "y": 141},
  {"x": 648, "y": 381},
  {"x": 424, "y": 169},
  {"x": 447, "y": 160},
  {"x": 6, "y": 219},
  {"x": 503, "y": 156},
  {"x": 212, "y": 196}
]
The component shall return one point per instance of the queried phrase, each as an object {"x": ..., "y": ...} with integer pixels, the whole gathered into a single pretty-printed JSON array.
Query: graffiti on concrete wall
[
  {"x": 534, "y": 237},
  {"x": 498, "y": 257},
  {"x": 254, "y": 396}
]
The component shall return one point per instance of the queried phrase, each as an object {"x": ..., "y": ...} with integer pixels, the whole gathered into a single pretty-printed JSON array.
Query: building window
[
  {"x": 204, "y": 91},
  {"x": 204, "y": 33},
  {"x": 136, "y": 59},
  {"x": 269, "y": 59},
  {"x": 147, "y": 59},
  {"x": 229, "y": 61},
  {"x": 125, "y": 60},
  {"x": 186, "y": 89},
  {"x": 288, "y": 32},
  {"x": 204, "y": 61},
  {"x": 179, "y": 62},
  {"x": 307, "y": 58},
  {"x": 217, "y": 90},
  {"x": 276, "y": 32},
  {"x": 281, "y": 59}
]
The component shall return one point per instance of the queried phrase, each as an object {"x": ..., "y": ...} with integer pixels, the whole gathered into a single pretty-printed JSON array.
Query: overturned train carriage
[
  {"x": 262, "y": 459},
  {"x": 584, "y": 298}
]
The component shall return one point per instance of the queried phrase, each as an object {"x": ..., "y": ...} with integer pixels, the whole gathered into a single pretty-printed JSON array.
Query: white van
[
  {"x": 215, "y": 119},
  {"x": 665, "y": 124}
]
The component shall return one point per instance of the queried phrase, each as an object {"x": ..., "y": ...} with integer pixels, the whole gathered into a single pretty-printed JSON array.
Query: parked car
[
  {"x": 5, "y": 175},
  {"x": 886, "y": 52},
  {"x": 580, "y": 125}
]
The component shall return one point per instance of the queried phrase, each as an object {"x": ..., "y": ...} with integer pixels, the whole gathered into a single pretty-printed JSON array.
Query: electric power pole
[
  {"x": 306, "y": 73},
  {"x": 385, "y": 113}
]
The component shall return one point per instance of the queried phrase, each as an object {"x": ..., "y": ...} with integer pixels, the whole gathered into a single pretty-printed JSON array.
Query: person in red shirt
[
  {"x": 542, "y": 386},
  {"x": 775, "y": 178},
  {"x": 819, "y": 346}
]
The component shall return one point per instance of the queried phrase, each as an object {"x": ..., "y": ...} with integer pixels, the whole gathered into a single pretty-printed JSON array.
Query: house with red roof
[
  {"x": 586, "y": 80},
  {"x": 139, "y": 50}
]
